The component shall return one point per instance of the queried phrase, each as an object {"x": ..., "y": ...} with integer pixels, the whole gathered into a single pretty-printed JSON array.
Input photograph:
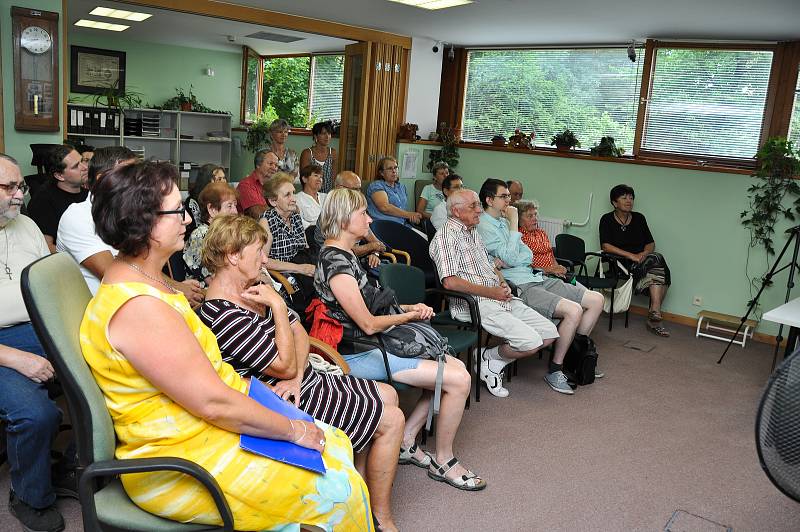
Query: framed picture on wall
[{"x": 94, "y": 71}]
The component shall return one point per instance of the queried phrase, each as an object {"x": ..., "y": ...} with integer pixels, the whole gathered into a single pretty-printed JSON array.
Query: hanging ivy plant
[{"x": 777, "y": 167}]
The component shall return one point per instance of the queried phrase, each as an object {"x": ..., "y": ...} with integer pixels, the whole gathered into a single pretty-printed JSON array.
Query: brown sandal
[
  {"x": 654, "y": 315},
  {"x": 658, "y": 329}
]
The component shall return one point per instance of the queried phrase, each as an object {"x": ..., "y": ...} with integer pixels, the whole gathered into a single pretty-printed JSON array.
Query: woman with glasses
[
  {"x": 170, "y": 394},
  {"x": 387, "y": 197},
  {"x": 624, "y": 232}
]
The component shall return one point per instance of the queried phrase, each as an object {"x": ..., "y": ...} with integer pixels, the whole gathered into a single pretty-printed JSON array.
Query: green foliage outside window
[{"x": 286, "y": 88}]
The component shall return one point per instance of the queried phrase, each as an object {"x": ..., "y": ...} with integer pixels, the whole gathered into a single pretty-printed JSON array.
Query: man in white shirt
[
  {"x": 76, "y": 234},
  {"x": 31, "y": 417}
]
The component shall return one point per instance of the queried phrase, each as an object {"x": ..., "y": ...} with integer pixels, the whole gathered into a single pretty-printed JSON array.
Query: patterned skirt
[{"x": 348, "y": 403}]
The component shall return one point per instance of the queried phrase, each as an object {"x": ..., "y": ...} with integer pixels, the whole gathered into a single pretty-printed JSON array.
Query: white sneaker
[
  {"x": 493, "y": 380},
  {"x": 484, "y": 355}
]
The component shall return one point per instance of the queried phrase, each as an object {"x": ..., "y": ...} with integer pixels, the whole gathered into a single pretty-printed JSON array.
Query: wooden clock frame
[{"x": 24, "y": 118}]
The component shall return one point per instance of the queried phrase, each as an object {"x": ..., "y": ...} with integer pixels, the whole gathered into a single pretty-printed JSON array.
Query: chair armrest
[
  {"x": 474, "y": 311},
  {"x": 329, "y": 353},
  {"x": 403, "y": 254},
  {"x": 565, "y": 262},
  {"x": 391, "y": 256},
  {"x": 278, "y": 276},
  {"x": 112, "y": 468}
]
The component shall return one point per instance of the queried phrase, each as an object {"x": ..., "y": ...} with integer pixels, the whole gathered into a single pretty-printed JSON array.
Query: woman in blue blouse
[{"x": 387, "y": 197}]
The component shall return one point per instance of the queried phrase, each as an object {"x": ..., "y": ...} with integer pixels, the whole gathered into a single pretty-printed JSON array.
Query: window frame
[
  {"x": 246, "y": 55},
  {"x": 783, "y": 76}
]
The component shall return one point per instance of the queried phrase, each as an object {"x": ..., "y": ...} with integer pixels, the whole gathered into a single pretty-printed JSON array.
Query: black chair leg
[{"x": 626, "y": 319}]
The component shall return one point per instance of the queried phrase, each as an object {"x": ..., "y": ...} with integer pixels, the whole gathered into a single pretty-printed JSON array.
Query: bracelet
[{"x": 305, "y": 429}]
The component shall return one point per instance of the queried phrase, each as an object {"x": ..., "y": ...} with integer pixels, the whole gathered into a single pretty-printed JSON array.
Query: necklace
[
  {"x": 159, "y": 281},
  {"x": 623, "y": 225},
  {"x": 5, "y": 264}
]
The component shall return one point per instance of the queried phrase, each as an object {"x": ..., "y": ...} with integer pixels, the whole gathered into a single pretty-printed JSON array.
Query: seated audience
[
  {"x": 321, "y": 154},
  {"x": 208, "y": 173},
  {"x": 516, "y": 191},
  {"x": 262, "y": 339},
  {"x": 76, "y": 234},
  {"x": 439, "y": 215},
  {"x": 576, "y": 307},
  {"x": 30, "y": 417},
  {"x": 344, "y": 288},
  {"x": 432, "y": 194},
  {"x": 289, "y": 251},
  {"x": 215, "y": 199},
  {"x": 625, "y": 233},
  {"x": 86, "y": 151},
  {"x": 287, "y": 158},
  {"x": 173, "y": 382},
  {"x": 387, "y": 196},
  {"x": 251, "y": 195},
  {"x": 310, "y": 199},
  {"x": 537, "y": 240},
  {"x": 463, "y": 265},
  {"x": 68, "y": 175},
  {"x": 367, "y": 249}
]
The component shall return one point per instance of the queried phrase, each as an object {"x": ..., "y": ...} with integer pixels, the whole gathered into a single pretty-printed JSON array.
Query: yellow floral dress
[{"x": 263, "y": 494}]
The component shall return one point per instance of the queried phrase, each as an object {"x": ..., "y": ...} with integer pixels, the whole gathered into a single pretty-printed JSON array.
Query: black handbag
[{"x": 580, "y": 360}]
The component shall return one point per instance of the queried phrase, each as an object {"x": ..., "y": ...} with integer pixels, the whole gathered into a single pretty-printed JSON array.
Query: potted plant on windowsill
[
  {"x": 258, "y": 131},
  {"x": 565, "y": 141},
  {"x": 606, "y": 148},
  {"x": 449, "y": 137}
]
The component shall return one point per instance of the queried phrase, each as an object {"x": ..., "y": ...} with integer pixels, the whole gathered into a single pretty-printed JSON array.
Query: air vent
[{"x": 277, "y": 37}]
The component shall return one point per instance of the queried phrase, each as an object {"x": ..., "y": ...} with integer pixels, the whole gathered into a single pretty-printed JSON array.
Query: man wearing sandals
[
  {"x": 625, "y": 233},
  {"x": 464, "y": 265}
]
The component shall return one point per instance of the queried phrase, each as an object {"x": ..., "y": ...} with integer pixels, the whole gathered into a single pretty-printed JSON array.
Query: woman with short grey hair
[{"x": 287, "y": 158}]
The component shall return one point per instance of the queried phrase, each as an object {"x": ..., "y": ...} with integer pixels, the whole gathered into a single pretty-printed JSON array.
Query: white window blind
[
  {"x": 707, "y": 102},
  {"x": 794, "y": 124},
  {"x": 327, "y": 76},
  {"x": 593, "y": 92}
]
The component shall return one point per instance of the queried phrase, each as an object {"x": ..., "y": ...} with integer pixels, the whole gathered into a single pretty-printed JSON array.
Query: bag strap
[{"x": 433, "y": 410}]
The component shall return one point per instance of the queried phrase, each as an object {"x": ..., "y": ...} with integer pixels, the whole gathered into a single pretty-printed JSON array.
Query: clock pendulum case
[{"x": 36, "y": 82}]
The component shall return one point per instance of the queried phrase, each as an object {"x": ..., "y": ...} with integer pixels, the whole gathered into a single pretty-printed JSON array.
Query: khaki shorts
[
  {"x": 544, "y": 297},
  {"x": 523, "y": 328}
]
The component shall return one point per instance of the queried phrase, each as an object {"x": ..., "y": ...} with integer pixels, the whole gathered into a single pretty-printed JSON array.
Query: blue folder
[{"x": 279, "y": 450}]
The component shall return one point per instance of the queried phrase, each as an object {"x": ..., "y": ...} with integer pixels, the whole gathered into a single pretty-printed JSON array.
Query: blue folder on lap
[{"x": 279, "y": 450}]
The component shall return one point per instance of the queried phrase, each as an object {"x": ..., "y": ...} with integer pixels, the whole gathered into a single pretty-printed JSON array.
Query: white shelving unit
[{"x": 183, "y": 136}]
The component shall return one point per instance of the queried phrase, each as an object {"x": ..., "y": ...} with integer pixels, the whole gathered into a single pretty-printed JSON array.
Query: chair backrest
[
  {"x": 398, "y": 236},
  {"x": 570, "y": 247},
  {"x": 419, "y": 184},
  {"x": 408, "y": 282},
  {"x": 56, "y": 297}
]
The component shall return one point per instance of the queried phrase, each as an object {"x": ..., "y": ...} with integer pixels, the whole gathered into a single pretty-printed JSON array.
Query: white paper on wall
[{"x": 409, "y": 165}]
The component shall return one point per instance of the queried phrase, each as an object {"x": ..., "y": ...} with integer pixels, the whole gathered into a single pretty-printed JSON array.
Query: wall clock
[{"x": 36, "y": 83}]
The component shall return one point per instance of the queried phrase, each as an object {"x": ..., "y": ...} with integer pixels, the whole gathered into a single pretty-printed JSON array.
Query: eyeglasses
[
  {"x": 181, "y": 212},
  {"x": 474, "y": 205},
  {"x": 11, "y": 188},
  {"x": 502, "y": 196}
]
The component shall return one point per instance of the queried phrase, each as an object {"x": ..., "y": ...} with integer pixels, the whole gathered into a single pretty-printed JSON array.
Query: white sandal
[{"x": 468, "y": 482}]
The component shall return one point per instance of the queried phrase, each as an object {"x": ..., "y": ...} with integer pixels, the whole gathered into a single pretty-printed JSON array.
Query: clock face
[{"x": 35, "y": 39}]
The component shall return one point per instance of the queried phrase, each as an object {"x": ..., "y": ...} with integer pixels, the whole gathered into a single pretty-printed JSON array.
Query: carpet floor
[{"x": 664, "y": 441}]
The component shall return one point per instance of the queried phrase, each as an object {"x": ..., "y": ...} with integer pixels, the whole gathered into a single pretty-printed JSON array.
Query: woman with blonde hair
[
  {"x": 387, "y": 196},
  {"x": 343, "y": 286},
  {"x": 287, "y": 157}
]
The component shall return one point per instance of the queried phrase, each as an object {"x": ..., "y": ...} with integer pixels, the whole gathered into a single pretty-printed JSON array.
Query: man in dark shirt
[{"x": 69, "y": 174}]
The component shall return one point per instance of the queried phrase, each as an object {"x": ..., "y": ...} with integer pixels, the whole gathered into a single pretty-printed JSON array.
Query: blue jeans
[{"x": 32, "y": 420}]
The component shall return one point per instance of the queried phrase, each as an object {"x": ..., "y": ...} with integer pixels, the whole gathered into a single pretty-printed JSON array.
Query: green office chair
[{"x": 56, "y": 297}]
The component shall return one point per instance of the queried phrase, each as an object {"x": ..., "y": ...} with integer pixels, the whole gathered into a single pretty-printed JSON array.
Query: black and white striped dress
[{"x": 247, "y": 342}]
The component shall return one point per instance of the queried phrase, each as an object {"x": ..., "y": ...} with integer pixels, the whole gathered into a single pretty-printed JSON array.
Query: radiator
[{"x": 551, "y": 226}]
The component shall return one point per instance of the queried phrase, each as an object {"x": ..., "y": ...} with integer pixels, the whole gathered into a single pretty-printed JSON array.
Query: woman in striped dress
[{"x": 261, "y": 339}]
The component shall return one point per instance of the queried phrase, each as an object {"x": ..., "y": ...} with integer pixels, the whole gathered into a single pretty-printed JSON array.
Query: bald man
[{"x": 516, "y": 191}]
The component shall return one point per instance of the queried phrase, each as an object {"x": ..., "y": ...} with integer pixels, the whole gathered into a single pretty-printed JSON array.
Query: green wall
[
  {"x": 155, "y": 70},
  {"x": 693, "y": 215},
  {"x": 17, "y": 143}
]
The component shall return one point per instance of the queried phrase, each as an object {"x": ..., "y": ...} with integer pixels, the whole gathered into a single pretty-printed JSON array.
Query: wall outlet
[{"x": 697, "y": 301}]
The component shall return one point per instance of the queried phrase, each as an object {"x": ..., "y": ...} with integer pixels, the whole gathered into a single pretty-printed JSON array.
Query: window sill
[
  {"x": 625, "y": 159},
  {"x": 303, "y": 132}
]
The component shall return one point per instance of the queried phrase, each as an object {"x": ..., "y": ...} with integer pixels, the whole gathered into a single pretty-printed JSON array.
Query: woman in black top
[{"x": 625, "y": 233}]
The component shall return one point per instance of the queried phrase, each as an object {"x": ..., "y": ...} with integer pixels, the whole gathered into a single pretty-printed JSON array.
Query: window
[
  {"x": 706, "y": 102},
  {"x": 593, "y": 92},
  {"x": 794, "y": 124},
  {"x": 300, "y": 89}
]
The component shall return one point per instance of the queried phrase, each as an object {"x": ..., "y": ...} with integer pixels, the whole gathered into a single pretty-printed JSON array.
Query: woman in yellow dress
[{"x": 170, "y": 394}]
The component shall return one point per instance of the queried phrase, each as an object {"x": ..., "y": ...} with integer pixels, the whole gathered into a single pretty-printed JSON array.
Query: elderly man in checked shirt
[{"x": 464, "y": 265}]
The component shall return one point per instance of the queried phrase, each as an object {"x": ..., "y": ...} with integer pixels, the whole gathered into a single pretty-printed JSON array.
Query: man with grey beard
[{"x": 31, "y": 417}]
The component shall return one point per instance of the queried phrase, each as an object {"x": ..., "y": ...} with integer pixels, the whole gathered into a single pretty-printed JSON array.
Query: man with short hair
[
  {"x": 251, "y": 195},
  {"x": 76, "y": 234},
  {"x": 450, "y": 183},
  {"x": 464, "y": 265},
  {"x": 515, "y": 189},
  {"x": 371, "y": 246},
  {"x": 31, "y": 417},
  {"x": 576, "y": 307},
  {"x": 68, "y": 175}
]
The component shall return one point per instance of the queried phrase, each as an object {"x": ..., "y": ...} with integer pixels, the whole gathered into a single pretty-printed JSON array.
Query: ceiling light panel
[
  {"x": 433, "y": 4},
  {"x": 101, "y": 25},
  {"x": 120, "y": 13}
]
